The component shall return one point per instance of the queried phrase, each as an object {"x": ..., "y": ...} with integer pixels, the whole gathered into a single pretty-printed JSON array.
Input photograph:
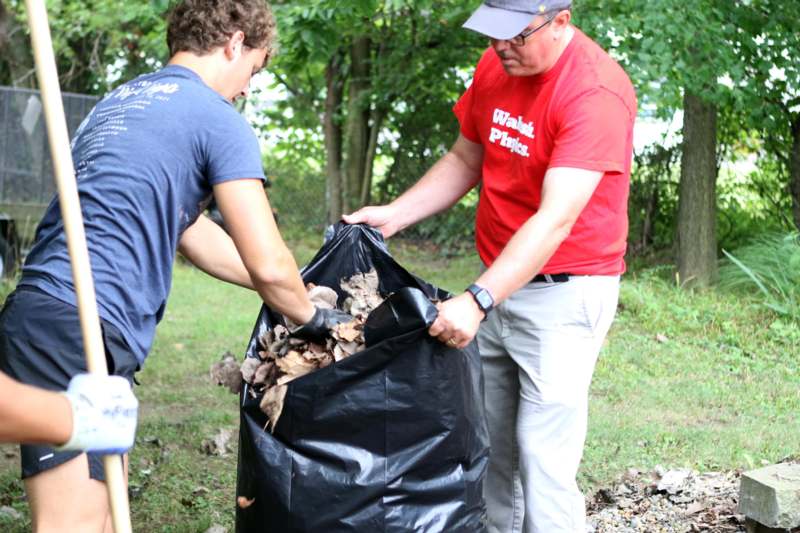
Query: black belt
[{"x": 551, "y": 278}]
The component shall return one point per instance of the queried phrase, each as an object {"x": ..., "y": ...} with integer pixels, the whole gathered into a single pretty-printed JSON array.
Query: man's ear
[
  {"x": 233, "y": 48},
  {"x": 561, "y": 21}
]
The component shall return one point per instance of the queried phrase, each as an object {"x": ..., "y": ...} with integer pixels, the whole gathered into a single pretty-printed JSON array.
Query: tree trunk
[
  {"x": 794, "y": 171},
  {"x": 17, "y": 66},
  {"x": 357, "y": 122},
  {"x": 333, "y": 138},
  {"x": 697, "y": 242},
  {"x": 4, "y": 18},
  {"x": 650, "y": 210},
  {"x": 374, "y": 130}
]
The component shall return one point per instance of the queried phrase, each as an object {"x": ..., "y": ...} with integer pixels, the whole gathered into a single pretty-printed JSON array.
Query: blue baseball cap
[{"x": 504, "y": 19}]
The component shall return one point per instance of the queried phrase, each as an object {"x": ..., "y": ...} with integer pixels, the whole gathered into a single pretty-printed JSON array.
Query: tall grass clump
[{"x": 769, "y": 266}]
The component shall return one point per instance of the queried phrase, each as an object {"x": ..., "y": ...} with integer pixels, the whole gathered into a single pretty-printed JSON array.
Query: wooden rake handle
[{"x": 76, "y": 237}]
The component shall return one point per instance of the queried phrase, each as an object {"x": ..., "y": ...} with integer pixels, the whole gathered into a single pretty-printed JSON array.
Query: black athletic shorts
[{"x": 41, "y": 345}]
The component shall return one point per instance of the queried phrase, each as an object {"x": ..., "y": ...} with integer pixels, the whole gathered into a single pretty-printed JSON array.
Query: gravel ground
[{"x": 674, "y": 501}]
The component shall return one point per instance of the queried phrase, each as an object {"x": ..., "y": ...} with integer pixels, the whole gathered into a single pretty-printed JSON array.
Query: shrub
[{"x": 770, "y": 265}]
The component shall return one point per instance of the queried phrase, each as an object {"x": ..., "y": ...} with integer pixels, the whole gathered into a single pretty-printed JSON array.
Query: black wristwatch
[{"x": 483, "y": 298}]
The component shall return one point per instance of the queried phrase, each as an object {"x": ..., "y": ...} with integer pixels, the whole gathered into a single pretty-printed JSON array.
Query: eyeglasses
[{"x": 519, "y": 40}]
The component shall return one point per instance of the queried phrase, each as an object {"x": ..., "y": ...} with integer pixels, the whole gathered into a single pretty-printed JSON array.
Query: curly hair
[{"x": 199, "y": 26}]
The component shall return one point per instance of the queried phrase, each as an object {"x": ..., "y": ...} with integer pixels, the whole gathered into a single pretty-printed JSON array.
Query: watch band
[{"x": 483, "y": 299}]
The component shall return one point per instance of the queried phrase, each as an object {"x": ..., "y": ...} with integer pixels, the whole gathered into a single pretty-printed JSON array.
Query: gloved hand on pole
[{"x": 104, "y": 413}]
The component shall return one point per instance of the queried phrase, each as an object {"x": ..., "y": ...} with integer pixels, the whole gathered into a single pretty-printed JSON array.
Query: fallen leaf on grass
[
  {"x": 219, "y": 444},
  {"x": 244, "y": 502},
  {"x": 155, "y": 441},
  {"x": 227, "y": 372}
]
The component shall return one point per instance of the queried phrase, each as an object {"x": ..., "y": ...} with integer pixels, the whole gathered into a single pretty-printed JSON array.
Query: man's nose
[{"x": 500, "y": 45}]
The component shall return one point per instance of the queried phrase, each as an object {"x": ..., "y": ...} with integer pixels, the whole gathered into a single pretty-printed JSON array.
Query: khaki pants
[{"x": 539, "y": 349}]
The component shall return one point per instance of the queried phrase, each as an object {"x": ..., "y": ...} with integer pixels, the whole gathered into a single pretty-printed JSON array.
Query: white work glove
[{"x": 104, "y": 412}]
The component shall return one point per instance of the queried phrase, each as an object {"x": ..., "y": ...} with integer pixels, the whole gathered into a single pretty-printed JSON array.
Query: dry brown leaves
[
  {"x": 219, "y": 444},
  {"x": 364, "y": 295},
  {"x": 282, "y": 359}
]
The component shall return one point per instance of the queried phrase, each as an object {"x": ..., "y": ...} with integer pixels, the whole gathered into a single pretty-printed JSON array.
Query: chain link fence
[{"x": 26, "y": 168}]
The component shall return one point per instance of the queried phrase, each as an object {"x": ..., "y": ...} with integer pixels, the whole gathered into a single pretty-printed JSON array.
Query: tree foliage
[
  {"x": 773, "y": 88},
  {"x": 735, "y": 61},
  {"x": 377, "y": 78},
  {"x": 96, "y": 42}
]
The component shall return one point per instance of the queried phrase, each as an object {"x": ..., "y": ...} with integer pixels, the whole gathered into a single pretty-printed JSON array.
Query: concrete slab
[{"x": 771, "y": 496}]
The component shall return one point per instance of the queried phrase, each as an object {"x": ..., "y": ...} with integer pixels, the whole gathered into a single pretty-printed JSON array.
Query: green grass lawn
[{"x": 706, "y": 380}]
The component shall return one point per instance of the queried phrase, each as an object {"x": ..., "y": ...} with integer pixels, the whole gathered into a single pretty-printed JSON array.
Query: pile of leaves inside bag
[
  {"x": 380, "y": 429},
  {"x": 282, "y": 358}
]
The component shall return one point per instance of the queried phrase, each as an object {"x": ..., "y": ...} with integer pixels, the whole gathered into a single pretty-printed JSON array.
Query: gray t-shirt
[{"x": 146, "y": 159}]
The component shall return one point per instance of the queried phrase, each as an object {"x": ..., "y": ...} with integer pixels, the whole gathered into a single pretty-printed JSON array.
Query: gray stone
[
  {"x": 673, "y": 481},
  {"x": 216, "y": 528},
  {"x": 771, "y": 495}
]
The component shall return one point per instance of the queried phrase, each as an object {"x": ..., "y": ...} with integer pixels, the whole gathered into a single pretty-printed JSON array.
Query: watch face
[{"x": 484, "y": 299}]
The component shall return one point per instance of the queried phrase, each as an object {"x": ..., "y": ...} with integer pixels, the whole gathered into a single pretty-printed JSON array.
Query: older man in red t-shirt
[{"x": 547, "y": 127}]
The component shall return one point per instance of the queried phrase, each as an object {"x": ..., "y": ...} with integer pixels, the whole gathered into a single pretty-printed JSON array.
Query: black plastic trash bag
[{"x": 391, "y": 439}]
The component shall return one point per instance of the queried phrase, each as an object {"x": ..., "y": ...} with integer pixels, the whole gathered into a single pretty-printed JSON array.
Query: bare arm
[
  {"x": 268, "y": 261},
  {"x": 29, "y": 414},
  {"x": 212, "y": 250},
  {"x": 565, "y": 193},
  {"x": 458, "y": 171}
]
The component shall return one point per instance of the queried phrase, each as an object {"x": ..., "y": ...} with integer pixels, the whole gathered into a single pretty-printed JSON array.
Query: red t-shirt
[{"x": 580, "y": 114}]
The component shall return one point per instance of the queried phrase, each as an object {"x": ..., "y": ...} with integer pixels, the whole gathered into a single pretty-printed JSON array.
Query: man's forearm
[
  {"x": 524, "y": 256},
  {"x": 448, "y": 180},
  {"x": 564, "y": 195},
  {"x": 259, "y": 244},
  {"x": 281, "y": 287},
  {"x": 212, "y": 250}
]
